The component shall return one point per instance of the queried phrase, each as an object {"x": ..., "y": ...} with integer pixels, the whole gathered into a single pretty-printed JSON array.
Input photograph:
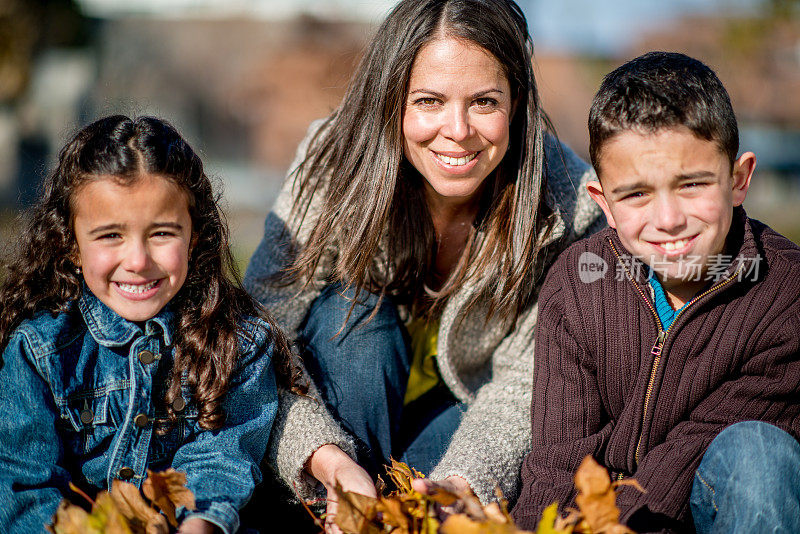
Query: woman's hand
[
  {"x": 453, "y": 484},
  {"x": 197, "y": 525},
  {"x": 330, "y": 465}
]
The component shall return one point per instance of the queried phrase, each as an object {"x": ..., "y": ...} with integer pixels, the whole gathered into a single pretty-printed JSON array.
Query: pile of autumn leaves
[
  {"x": 406, "y": 511},
  {"x": 125, "y": 510}
]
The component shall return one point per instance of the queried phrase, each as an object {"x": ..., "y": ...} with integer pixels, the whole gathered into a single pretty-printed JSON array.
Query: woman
[{"x": 406, "y": 249}]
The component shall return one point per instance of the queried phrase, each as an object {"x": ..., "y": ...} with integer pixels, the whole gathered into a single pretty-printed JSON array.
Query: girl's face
[
  {"x": 456, "y": 117},
  {"x": 133, "y": 242}
]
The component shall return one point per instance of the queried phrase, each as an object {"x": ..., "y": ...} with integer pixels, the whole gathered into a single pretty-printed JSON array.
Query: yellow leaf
[
  {"x": 550, "y": 522},
  {"x": 167, "y": 490},
  {"x": 430, "y": 525},
  {"x": 106, "y": 517}
]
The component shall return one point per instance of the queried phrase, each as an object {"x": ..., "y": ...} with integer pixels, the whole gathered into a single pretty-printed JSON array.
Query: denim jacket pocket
[
  {"x": 172, "y": 434},
  {"x": 89, "y": 422}
]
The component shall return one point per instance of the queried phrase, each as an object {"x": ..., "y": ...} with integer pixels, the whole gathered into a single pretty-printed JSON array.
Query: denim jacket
[{"x": 80, "y": 394}]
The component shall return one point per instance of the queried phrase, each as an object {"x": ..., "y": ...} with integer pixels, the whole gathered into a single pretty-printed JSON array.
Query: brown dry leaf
[
  {"x": 394, "y": 514},
  {"x": 462, "y": 524},
  {"x": 167, "y": 490},
  {"x": 443, "y": 497},
  {"x": 139, "y": 514},
  {"x": 402, "y": 475},
  {"x": 69, "y": 519},
  {"x": 356, "y": 513},
  {"x": 597, "y": 499}
]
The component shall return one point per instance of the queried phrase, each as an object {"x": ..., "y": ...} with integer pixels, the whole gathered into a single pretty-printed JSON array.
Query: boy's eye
[
  {"x": 163, "y": 233},
  {"x": 637, "y": 194}
]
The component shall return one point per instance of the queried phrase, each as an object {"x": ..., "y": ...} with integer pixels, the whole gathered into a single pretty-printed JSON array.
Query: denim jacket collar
[{"x": 110, "y": 330}]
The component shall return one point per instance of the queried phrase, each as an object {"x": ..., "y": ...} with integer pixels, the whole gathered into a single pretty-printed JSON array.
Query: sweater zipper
[{"x": 662, "y": 337}]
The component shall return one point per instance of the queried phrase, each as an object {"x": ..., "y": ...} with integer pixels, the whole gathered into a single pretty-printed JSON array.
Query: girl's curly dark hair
[{"x": 211, "y": 304}]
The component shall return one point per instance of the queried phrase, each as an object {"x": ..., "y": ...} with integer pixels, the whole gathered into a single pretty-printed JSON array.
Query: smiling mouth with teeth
[
  {"x": 137, "y": 288},
  {"x": 455, "y": 162},
  {"x": 674, "y": 245}
]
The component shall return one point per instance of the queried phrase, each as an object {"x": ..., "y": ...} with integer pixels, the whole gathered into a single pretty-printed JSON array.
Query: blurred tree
[
  {"x": 28, "y": 26},
  {"x": 17, "y": 39}
]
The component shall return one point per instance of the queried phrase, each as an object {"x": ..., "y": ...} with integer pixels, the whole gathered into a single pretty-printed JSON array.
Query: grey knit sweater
[{"x": 488, "y": 367}]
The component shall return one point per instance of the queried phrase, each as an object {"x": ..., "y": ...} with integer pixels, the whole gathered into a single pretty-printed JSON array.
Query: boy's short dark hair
[{"x": 663, "y": 90}]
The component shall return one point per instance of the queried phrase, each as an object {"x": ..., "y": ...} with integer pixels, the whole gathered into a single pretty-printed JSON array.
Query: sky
[{"x": 561, "y": 25}]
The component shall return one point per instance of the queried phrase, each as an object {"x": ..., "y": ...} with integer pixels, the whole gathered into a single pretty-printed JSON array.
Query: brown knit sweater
[{"x": 602, "y": 388}]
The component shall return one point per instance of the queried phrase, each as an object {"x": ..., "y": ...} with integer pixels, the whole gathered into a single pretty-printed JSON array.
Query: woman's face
[{"x": 456, "y": 118}]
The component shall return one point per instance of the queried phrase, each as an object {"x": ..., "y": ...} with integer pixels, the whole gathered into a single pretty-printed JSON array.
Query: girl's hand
[
  {"x": 197, "y": 525},
  {"x": 330, "y": 465}
]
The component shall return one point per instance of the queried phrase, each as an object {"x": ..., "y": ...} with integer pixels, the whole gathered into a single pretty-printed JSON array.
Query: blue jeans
[
  {"x": 748, "y": 481},
  {"x": 361, "y": 370}
]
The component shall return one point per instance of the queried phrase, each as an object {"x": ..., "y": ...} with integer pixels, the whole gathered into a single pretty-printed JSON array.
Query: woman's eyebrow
[{"x": 441, "y": 95}]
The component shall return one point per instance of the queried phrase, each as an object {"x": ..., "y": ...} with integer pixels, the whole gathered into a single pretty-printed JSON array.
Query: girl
[
  {"x": 128, "y": 343},
  {"x": 427, "y": 206}
]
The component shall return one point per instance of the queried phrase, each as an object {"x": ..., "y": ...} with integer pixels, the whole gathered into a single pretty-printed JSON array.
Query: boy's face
[{"x": 670, "y": 195}]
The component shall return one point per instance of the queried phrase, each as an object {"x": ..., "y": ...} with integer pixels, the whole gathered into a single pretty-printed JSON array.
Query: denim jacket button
[
  {"x": 141, "y": 420},
  {"x": 178, "y": 404},
  {"x": 146, "y": 357},
  {"x": 87, "y": 416},
  {"x": 126, "y": 473}
]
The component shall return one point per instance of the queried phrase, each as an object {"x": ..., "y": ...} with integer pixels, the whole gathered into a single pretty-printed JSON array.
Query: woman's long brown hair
[
  {"x": 211, "y": 304},
  {"x": 374, "y": 197}
]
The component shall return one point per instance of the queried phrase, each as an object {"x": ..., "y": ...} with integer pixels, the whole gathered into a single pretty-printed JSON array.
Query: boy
[{"x": 674, "y": 324}]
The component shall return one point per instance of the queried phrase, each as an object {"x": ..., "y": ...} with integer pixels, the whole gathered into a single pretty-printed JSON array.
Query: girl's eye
[{"x": 110, "y": 235}]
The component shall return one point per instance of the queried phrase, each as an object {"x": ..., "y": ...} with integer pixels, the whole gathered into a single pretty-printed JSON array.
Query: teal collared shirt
[{"x": 666, "y": 314}]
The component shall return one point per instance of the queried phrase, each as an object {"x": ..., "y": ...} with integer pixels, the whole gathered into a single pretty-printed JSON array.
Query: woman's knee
[
  {"x": 342, "y": 318},
  {"x": 355, "y": 342}
]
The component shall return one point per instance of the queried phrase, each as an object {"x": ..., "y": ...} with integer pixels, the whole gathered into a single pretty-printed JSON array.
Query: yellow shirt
[{"x": 423, "y": 374}]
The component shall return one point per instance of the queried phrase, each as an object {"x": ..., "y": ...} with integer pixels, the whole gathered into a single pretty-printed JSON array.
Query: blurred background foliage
[{"x": 242, "y": 79}]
